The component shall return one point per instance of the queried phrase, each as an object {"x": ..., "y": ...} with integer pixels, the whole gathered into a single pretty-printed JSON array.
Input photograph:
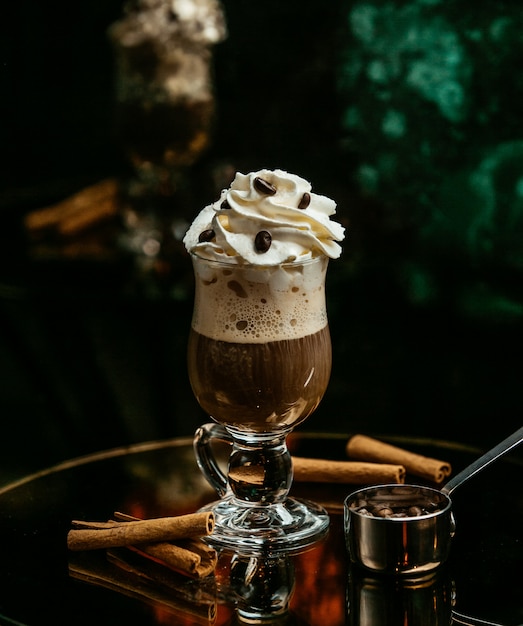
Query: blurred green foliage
[{"x": 432, "y": 93}]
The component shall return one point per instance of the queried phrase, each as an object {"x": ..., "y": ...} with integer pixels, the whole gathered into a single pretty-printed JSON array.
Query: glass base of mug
[{"x": 291, "y": 526}]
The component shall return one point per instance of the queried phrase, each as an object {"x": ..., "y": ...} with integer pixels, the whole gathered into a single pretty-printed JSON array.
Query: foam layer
[{"x": 257, "y": 305}]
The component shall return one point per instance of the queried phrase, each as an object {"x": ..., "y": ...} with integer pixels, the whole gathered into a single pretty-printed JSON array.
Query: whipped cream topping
[{"x": 266, "y": 218}]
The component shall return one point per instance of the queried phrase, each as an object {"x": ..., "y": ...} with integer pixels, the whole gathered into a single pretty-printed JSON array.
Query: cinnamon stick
[
  {"x": 88, "y": 217},
  {"x": 361, "y": 447},
  {"x": 191, "y": 557},
  {"x": 180, "y": 559},
  {"x": 96, "y": 535},
  {"x": 77, "y": 212},
  {"x": 350, "y": 472}
]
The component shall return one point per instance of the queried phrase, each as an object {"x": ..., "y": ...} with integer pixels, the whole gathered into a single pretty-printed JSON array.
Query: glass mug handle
[{"x": 205, "y": 456}]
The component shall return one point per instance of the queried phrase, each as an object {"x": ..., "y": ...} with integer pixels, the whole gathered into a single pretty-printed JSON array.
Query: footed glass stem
[{"x": 255, "y": 512}]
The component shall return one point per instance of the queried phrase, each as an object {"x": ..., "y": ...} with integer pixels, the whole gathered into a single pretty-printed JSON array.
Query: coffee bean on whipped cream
[
  {"x": 206, "y": 235},
  {"x": 262, "y": 241},
  {"x": 305, "y": 201},
  {"x": 264, "y": 186}
]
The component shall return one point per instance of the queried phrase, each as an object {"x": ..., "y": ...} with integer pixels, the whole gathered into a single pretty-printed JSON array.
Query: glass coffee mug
[{"x": 259, "y": 362}]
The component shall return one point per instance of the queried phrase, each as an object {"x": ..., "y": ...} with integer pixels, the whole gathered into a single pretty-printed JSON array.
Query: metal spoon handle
[{"x": 486, "y": 459}]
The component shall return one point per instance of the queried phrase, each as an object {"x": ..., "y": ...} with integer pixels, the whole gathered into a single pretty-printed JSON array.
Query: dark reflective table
[{"x": 42, "y": 582}]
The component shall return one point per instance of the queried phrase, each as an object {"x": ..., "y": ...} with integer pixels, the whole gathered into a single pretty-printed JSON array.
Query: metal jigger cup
[
  {"x": 414, "y": 544},
  {"x": 399, "y": 545}
]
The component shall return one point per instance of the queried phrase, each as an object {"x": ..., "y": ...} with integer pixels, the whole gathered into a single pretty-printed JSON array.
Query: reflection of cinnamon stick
[
  {"x": 350, "y": 472},
  {"x": 95, "y": 535},
  {"x": 361, "y": 447},
  {"x": 252, "y": 474},
  {"x": 148, "y": 582},
  {"x": 197, "y": 605}
]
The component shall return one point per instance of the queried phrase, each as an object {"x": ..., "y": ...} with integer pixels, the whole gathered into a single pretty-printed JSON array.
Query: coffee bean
[
  {"x": 225, "y": 205},
  {"x": 206, "y": 235},
  {"x": 262, "y": 241},
  {"x": 382, "y": 510},
  {"x": 363, "y": 511},
  {"x": 264, "y": 186},
  {"x": 415, "y": 511},
  {"x": 399, "y": 502},
  {"x": 305, "y": 201}
]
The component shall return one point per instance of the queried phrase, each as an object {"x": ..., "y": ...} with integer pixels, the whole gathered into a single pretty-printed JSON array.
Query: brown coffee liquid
[{"x": 260, "y": 386}]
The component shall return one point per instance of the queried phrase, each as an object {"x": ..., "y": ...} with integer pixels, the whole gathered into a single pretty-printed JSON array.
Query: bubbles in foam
[{"x": 258, "y": 305}]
